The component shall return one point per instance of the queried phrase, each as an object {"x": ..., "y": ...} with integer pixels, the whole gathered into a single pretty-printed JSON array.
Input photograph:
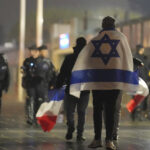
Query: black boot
[
  {"x": 31, "y": 112},
  {"x": 69, "y": 134}
]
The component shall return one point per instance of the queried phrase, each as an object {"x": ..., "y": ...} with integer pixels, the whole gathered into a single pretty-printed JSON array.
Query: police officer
[
  {"x": 38, "y": 76},
  {"x": 4, "y": 76},
  {"x": 30, "y": 82},
  {"x": 51, "y": 73}
]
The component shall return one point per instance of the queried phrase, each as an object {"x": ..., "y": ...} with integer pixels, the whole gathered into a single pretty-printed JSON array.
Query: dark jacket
[
  {"x": 30, "y": 76},
  {"x": 39, "y": 71},
  {"x": 143, "y": 71},
  {"x": 4, "y": 75},
  {"x": 46, "y": 71},
  {"x": 65, "y": 71}
]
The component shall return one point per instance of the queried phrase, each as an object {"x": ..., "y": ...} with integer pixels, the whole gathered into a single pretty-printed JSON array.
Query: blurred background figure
[
  {"x": 143, "y": 71},
  {"x": 139, "y": 112},
  {"x": 51, "y": 75},
  {"x": 71, "y": 102},
  {"x": 38, "y": 76},
  {"x": 137, "y": 64},
  {"x": 29, "y": 82},
  {"x": 4, "y": 77}
]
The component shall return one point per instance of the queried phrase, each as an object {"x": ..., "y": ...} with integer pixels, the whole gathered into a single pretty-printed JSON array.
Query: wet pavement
[{"x": 15, "y": 134}]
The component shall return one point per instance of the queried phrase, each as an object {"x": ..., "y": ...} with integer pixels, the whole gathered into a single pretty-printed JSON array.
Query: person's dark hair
[
  {"x": 108, "y": 22},
  {"x": 81, "y": 41}
]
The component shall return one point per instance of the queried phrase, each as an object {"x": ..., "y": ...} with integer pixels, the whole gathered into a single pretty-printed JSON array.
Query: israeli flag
[{"x": 105, "y": 63}]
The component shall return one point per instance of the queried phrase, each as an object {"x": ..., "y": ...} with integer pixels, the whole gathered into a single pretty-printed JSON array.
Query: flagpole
[
  {"x": 21, "y": 46},
  {"x": 39, "y": 23}
]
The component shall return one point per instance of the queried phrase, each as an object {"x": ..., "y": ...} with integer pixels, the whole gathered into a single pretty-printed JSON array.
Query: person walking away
[
  {"x": 71, "y": 102},
  {"x": 104, "y": 66}
]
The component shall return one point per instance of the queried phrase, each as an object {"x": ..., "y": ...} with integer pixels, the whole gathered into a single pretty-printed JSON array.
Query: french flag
[
  {"x": 139, "y": 96},
  {"x": 48, "y": 111}
]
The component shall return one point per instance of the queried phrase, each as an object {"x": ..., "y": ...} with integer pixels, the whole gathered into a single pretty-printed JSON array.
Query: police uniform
[
  {"x": 36, "y": 82},
  {"x": 47, "y": 69},
  {"x": 30, "y": 82}
]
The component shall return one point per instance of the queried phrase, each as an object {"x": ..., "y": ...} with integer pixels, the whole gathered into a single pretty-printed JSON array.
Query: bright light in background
[{"x": 64, "y": 41}]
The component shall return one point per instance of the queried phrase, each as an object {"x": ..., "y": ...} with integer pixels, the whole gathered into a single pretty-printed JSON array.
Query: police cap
[
  {"x": 42, "y": 47},
  {"x": 33, "y": 47}
]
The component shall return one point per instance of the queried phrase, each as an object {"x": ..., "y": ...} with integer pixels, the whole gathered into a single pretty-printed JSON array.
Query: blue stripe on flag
[
  {"x": 56, "y": 94},
  {"x": 103, "y": 75}
]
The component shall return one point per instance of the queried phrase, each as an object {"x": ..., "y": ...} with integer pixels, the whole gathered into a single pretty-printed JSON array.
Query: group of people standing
[
  {"x": 39, "y": 76},
  {"x": 106, "y": 101}
]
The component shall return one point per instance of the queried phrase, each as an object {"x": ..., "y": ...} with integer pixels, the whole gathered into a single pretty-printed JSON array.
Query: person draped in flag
[
  {"x": 72, "y": 102},
  {"x": 105, "y": 66}
]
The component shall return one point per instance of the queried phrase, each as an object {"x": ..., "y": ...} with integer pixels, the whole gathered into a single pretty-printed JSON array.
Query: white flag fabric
[
  {"x": 142, "y": 89},
  {"x": 105, "y": 63},
  {"x": 139, "y": 95}
]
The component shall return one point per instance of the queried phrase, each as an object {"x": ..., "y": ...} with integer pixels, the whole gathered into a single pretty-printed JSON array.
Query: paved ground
[{"x": 15, "y": 134}]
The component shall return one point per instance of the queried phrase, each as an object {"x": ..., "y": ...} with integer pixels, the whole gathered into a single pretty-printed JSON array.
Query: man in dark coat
[{"x": 70, "y": 101}]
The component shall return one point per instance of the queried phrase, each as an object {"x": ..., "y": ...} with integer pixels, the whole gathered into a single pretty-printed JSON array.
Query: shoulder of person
[{"x": 120, "y": 34}]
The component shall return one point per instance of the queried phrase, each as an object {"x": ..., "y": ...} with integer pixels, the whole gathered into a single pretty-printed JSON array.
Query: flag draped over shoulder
[
  {"x": 105, "y": 63},
  {"x": 48, "y": 111},
  {"x": 139, "y": 96}
]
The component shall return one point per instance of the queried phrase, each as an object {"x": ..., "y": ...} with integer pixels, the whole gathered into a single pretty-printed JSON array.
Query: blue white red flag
[
  {"x": 48, "y": 111},
  {"x": 105, "y": 63},
  {"x": 139, "y": 96}
]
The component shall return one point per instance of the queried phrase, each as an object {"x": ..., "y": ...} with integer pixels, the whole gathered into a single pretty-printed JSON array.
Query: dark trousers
[
  {"x": 70, "y": 104},
  {"x": 104, "y": 100},
  {"x": 36, "y": 96}
]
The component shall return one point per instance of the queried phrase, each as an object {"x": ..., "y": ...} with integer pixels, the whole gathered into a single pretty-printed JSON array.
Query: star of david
[{"x": 98, "y": 52}]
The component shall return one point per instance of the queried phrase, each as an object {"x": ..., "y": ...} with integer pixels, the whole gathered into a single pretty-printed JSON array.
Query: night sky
[{"x": 9, "y": 9}]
